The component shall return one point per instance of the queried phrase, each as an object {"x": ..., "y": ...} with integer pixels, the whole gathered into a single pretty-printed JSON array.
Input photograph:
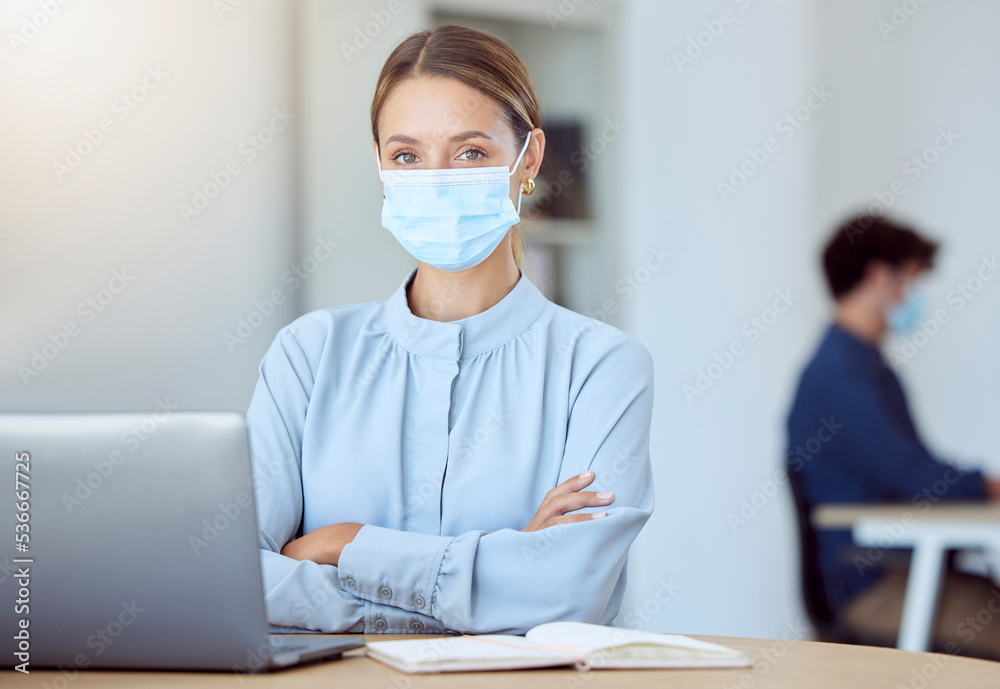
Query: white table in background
[{"x": 931, "y": 532}]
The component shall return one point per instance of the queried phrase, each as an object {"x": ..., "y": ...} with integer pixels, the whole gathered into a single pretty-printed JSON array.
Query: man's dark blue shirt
[{"x": 851, "y": 437}]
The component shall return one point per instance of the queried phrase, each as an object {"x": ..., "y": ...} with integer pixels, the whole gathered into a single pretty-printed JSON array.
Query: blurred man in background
[{"x": 851, "y": 403}]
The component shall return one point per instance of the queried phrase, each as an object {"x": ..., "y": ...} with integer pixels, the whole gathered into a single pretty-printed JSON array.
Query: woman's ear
[
  {"x": 377, "y": 161},
  {"x": 533, "y": 156}
]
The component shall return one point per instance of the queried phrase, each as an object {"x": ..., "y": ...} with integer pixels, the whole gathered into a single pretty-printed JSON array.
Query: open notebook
[{"x": 586, "y": 646}]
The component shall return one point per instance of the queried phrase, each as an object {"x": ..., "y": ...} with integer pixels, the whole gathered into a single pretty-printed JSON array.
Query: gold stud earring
[{"x": 528, "y": 186}]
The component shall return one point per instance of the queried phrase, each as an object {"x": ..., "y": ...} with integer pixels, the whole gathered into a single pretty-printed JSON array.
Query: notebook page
[
  {"x": 484, "y": 648},
  {"x": 592, "y": 637}
]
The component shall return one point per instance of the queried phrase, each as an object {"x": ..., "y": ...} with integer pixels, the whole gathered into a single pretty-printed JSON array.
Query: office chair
[{"x": 817, "y": 606}]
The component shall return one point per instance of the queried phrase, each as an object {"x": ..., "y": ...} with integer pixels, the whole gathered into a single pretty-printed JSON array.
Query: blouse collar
[{"x": 465, "y": 337}]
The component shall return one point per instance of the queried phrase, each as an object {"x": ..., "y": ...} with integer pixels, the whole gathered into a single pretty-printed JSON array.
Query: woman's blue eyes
[{"x": 409, "y": 157}]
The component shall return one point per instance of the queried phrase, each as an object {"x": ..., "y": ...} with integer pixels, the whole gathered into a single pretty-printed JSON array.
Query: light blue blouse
[{"x": 443, "y": 438}]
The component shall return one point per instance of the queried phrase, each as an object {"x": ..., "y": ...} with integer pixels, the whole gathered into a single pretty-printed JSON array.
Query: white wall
[
  {"x": 162, "y": 334},
  {"x": 937, "y": 71},
  {"x": 342, "y": 51},
  {"x": 730, "y": 258},
  {"x": 889, "y": 97}
]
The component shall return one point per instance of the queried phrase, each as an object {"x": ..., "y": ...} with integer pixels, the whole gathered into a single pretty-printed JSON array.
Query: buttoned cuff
[
  {"x": 393, "y": 567},
  {"x": 386, "y": 619}
]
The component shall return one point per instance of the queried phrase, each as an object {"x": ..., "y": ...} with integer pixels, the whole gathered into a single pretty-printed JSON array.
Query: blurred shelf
[{"x": 571, "y": 50}]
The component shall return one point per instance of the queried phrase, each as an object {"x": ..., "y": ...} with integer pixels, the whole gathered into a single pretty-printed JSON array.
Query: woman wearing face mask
[{"x": 466, "y": 455}]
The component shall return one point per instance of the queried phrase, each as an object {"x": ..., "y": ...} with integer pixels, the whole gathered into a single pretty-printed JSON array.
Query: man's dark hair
[{"x": 865, "y": 238}]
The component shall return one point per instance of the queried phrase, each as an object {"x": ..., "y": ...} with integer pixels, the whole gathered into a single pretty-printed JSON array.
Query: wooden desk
[
  {"x": 777, "y": 665},
  {"x": 931, "y": 531}
]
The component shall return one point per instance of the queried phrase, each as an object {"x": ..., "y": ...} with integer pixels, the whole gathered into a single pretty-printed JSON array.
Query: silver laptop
[{"x": 129, "y": 540}]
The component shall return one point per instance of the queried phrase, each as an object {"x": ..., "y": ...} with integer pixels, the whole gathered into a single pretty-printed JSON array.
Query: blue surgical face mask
[
  {"x": 450, "y": 218},
  {"x": 904, "y": 317}
]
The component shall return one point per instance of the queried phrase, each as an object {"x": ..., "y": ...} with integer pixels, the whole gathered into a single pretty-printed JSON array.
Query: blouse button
[
  {"x": 418, "y": 601},
  {"x": 351, "y": 584},
  {"x": 385, "y": 592},
  {"x": 381, "y": 624},
  {"x": 416, "y": 625}
]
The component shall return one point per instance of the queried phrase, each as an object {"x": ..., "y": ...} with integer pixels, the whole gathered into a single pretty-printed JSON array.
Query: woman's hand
[
  {"x": 323, "y": 545},
  {"x": 567, "y": 497}
]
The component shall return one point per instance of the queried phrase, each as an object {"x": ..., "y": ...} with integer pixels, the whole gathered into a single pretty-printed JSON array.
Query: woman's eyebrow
[
  {"x": 462, "y": 136},
  {"x": 401, "y": 138},
  {"x": 471, "y": 134}
]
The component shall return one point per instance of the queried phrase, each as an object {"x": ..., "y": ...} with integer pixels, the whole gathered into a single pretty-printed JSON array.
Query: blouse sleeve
[
  {"x": 297, "y": 593},
  {"x": 508, "y": 581}
]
